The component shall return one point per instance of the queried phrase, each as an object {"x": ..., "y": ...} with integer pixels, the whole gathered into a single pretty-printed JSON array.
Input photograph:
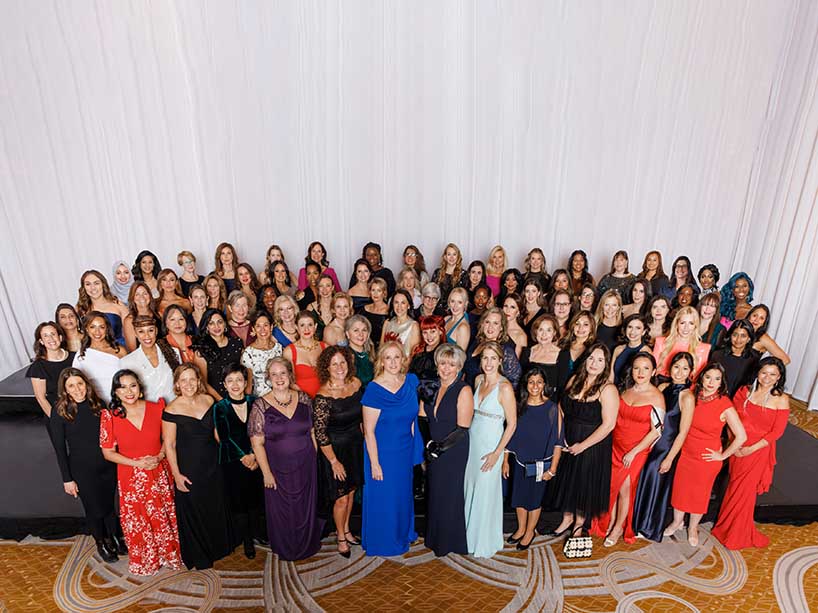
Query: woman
[
  {"x": 341, "y": 309},
  {"x": 225, "y": 261},
  {"x": 636, "y": 341},
  {"x": 316, "y": 252},
  {"x": 430, "y": 301},
  {"x": 154, "y": 361},
  {"x": 640, "y": 294},
  {"x": 68, "y": 319},
  {"x": 492, "y": 329},
  {"x": 481, "y": 301},
  {"x": 372, "y": 254},
  {"x": 274, "y": 255},
  {"x": 685, "y": 296},
  {"x": 282, "y": 280},
  {"x": 247, "y": 282},
  {"x": 656, "y": 481},
  {"x": 496, "y": 265},
  {"x": 402, "y": 327},
  {"x": 188, "y": 431},
  {"x": 175, "y": 323},
  {"x": 170, "y": 292},
  {"x": 50, "y": 358},
  {"x": 284, "y": 312},
  {"x": 511, "y": 282},
  {"x": 759, "y": 318},
  {"x": 258, "y": 354},
  {"x": 303, "y": 354},
  {"x": 560, "y": 307},
  {"x": 764, "y": 410},
  {"x": 74, "y": 431},
  {"x": 736, "y": 356},
  {"x": 578, "y": 267},
  {"x": 450, "y": 273},
  {"x": 475, "y": 276},
  {"x": 457, "y": 323},
  {"x": 657, "y": 317},
  {"x": 322, "y": 307},
  {"x": 544, "y": 353},
  {"x": 575, "y": 346},
  {"x": 532, "y": 306},
  {"x": 409, "y": 281},
  {"x": 494, "y": 404},
  {"x": 242, "y": 479},
  {"x": 702, "y": 455},
  {"x": 537, "y": 438},
  {"x": 145, "y": 268},
  {"x": 736, "y": 296},
  {"x": 377, "y": 311},
  {"x": 140, "y": 304},
  {"x": 513, "y": 311},
  {"x": 535, "y": 270},
  {"x": 216, "y": 292},
  {"x": 413, "y": 258},
  {"x": 710, "y": 328},
  {"x": 310, "y": 293},
  {"x": 99, "y": 354},
  {"x": 682, "y": 275},
  {"x": 215, "y": 350},
  {"x": 422, "y": 363},
  {"x": 392, "y": 447},
  {"x": 653, "y": 272},
  {"x": 95, "y": 295},
  {"x": 266, "y": 299},
  {"x": 189, "y": 276},
  {"x": 130, "y": 435},
  {"x": 359, "y": 333},
  {"x": 589, "y": 409},
  {"x": 638, "y": 426},
  {"x": 609, "y": 318},
  {"x": 238, "y": 313},
  {"x": 618, "y": 278},
  {"x": 586, "y": 298},
  {"x": 359, "y": 290},
  {"x": 683, "y": 336},
  {"x": 448, "y": 414},
  {"x": 123, "y": 279},
  {"x": 337, "y": 419},
  {"x": 708, "y": 279},
  {"x": 560, "y": 280}
]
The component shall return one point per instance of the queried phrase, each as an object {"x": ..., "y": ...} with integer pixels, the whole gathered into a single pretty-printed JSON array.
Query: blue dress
[
  {"x": 388, "y": 515},
  {"x": 279, "y": 335},
  {"x": 115, "y": 323},
  {"x": 534, "y": 439},
  {"x": 483, "y": 490}
]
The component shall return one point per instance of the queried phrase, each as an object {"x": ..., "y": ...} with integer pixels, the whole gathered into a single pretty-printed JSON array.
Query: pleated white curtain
[{"x": 600, "y": 125}]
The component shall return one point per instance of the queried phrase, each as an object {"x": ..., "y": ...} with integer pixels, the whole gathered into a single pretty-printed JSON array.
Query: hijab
[{"x": 120, "y": 290}]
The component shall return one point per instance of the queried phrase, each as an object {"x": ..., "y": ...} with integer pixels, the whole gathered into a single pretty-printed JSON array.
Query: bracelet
[{"x": 550, "y": 473}]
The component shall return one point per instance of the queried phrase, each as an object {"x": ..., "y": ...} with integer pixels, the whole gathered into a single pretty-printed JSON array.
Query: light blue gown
[{"x": 483, "y": 490}]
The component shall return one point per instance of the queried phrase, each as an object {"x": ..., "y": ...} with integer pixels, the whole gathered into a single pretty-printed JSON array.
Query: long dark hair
[
  {"x": 584, "y": 276},
  {"x": 548, "y": 390},
  {"x": 771, "y": 360},
  {"x": 699, "y": 384},
  {"x": 762, "y": 329},
  {"x": 577, "y": 382},
  {"x": 727, "y": 339},
  {"x": 690, "y": 279},
  {"x": 136, "y": 269},
  {"x": 117, "y": 408},
  {"x": 109, "y": 334},
  {"x": 144, "y": 321},
  {"x": 678, "y": 357},
  {"x": 66, "y": 407}
]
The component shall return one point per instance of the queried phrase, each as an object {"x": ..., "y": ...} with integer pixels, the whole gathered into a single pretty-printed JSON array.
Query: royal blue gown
[{"x": 388, "y": 511}]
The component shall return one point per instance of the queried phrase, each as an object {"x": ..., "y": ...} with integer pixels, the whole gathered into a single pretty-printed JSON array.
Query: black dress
[
  {"x": 423, "y": 365},
  {"x": 205, "y": 530},
  {"x": 446, "y": 511},
  {"x": 337, "y": 422},
  {"x": 80, "y": 459},
  {"x": 376, "y": 320},
  {"x": 608, "y": 335},
  {"x": 552, "y": 378},
  {"x": 567, "y": 366},
  {"x": 527, "y": 326},
  {"x": 511, "y": 365},
  {"x": 219, "y": 357},
  {"x": 50, "y": 371},
  {"x": 536, "y": 436},
  {"x": 738, "y": 369},
  {"x": 653, "y": 493},
  {"x": 584, "y": 481},
  {"x": 186, "y": 285}
]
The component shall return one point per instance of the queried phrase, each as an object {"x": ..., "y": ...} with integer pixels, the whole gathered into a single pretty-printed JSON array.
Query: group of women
[{"x": 239, "y": 409}]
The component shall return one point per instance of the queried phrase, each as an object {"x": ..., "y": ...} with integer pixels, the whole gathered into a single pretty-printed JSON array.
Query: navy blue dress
[
  {"x": 388, "y": 515},
  {"x": 653, "y": 493},
  {"x": 115, "y": 322},
  {"x": 534, "y": 439}
]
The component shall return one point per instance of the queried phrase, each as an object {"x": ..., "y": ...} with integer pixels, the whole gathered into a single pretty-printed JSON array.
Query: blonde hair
[
  {"x": 503, "y": 337},
  {"x": 452, "y": 353},
  {"x": 182, "y": 255},
  {"x": 277, "y": 307},
  {"x": 279, "y": 360},
  {"x": 527, "y": 261},
  {"x": 673, "y": 336},
  {"x": 490, "y": 267},
  {"x": 458, "y": 265},
  {"x": 386, "y": 346},
  {"x": 464, "y": 295},
  {"x": 600, "y": 312}
]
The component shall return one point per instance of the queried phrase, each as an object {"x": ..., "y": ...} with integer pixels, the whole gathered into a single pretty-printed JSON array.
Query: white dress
[
  {"x": 256, "y": 360},
  {"x": 156, "y": 382},
  {"x": 100, "y": 368}
]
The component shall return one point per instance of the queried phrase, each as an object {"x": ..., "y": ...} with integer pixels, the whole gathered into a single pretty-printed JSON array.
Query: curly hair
[
  {"x": 728, "y": 300},
  {"x": 84, "y": 305},
  {"x": 324, "y": 359},
  {"x": 713, "y": 270}
]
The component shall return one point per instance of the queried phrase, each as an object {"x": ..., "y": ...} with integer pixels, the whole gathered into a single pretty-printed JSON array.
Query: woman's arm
[
  {"x": 555, "y": 460},
  {"x": 509, "y": 405},
  {"x": 651, "y": 437},
  {"x": 462, "y": 335},
  {"x": 687, "y": 404},
  {"x": 57, "y": 432},
  {"x": 320, "y": 417},
  {"x": 169, "y": 437},
  {"x": 616, "y": 352},
  {"x": 371, "y": 415},
  {"x": 609, "y": 398},
  {"x": 774, "y": 349},
  {"x": 261, "y": 457},
  {"x": 129, "y": 333},
  {"x": 739, "y": 436},
  {"x": 782, "y": 412},
  {"x": 38, "y": 385}
]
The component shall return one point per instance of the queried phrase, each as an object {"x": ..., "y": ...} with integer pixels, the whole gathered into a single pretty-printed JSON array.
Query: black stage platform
[{"x": 32, "y": 500}]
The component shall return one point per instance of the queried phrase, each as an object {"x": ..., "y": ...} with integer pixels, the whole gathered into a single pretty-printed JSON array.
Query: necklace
[
  {"x": 703, "y": 398},
  {"x": 310, "y": 348},
  {"x": 284, "y": 405}
]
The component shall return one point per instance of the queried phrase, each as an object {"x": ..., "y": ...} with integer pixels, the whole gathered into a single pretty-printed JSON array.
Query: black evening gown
[
  {"x": 653, "y": 493},
  {"x": 205, "y": 530},
  {"x": 376, "y": 320},
  {"x": 80, "y": 459},
  {"x": 608, "y": 335},
  {"x": 446, "y": 511}
]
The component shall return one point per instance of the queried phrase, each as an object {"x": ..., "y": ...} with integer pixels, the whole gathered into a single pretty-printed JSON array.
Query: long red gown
[
  {"x": 694, "y": 477},
  {"x": 632, "y": 425},
  {"x": 147, "y": 513},
  {"x": 750, "y": 475}
]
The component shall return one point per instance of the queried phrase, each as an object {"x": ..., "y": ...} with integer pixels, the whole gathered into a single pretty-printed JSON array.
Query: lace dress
[{"x": 256, "y": 360}]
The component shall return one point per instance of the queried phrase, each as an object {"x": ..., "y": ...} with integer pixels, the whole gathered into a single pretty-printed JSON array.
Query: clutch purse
[{"x": 578, "y": 546}]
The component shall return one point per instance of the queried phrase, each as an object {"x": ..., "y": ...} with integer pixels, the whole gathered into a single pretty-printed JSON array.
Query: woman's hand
[
  {"x": 575, "y": 449},
  {"x": 490, "y": 460},
  {"x": 270, "y": 481},
  {"x": 627, "y": 459},
  {"x": 71, "y": 488},
  {"x": 182, "y": 482},
  {"x": 548, "y": 475},
  {"x": 249, "y": 461},
  {"x": 712, "y": 456},
  {"x": 506, "y": 467},
  {"x": 665, "y": 466},
  {"x": 338, "y": 470},
  {"x": 377, "y": 472},
  {"x": 148, "y": 462}
]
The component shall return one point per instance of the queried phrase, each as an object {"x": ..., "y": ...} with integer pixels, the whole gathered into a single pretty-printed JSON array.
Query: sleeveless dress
[
  {"x": 632, "y": 425},
  {"x": 400, "y": 332},
  {"x": 256, "y": 360},
  {"x": 749, "y": 476},
  {"x": 535, "y": 438},
  {"x": 115, "y": 322},
  {"x": 388, "y": 515},
  {"x": 306, "y": 377},
  {"x": 483, "y": 490},
  {"x": 653, "y": 494},
  {"x": 449, "y": 337},
  {"x": 694, "y": 476},
  {"x": 205, "y": 529},
  {"x": 584, "y": 481},
  {"x": 623, "y": 360},
  {"x": 445, "y": 516},
  {"x": 376, "y": 320},
  {"x": 608, "y": 335},
  {"x": 701, "y": 354}
]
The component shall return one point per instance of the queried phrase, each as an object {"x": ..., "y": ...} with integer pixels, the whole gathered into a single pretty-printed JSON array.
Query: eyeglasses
[{"x": 410, "y": 254}]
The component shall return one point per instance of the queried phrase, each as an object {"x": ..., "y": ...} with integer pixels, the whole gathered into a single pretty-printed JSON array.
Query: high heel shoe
[
  {"x": 119, "y": 543},
  {"x": 610, "y": 542},
  {"x": 521, "y": 547},
  {"x": 352, "y": 539},
  {"x": 249, "y": 549},
  {"x": 511, "y": 540},
  {"x": 344, "y": 554},
  {"x": 693, "y": 539},
  {"x": 671, "y": 530},
  {"x": 106, "y": 551}
]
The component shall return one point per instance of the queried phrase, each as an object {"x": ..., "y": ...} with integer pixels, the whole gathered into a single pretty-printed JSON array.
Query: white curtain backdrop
[{"x": 682, "y": 126}]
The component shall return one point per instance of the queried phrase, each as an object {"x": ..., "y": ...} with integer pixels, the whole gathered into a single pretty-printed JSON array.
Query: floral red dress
[{"x": 147, "y": 513}]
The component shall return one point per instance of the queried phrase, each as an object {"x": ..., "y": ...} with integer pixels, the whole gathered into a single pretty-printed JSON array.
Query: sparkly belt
[{"x": 489, "y": 415}]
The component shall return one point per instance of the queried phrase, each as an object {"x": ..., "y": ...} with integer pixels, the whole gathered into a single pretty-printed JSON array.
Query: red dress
[
  {"x": 694, "y": 476},
  {"x": 147, "y": 513},
  {"x": 632, "y": 425},
  {"x": 306, "y": 377},
  {"x": 750, "y": 475}
]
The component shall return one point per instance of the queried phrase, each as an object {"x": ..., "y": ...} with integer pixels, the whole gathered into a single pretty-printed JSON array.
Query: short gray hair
[
  {"x": 452, "y": 352},
  {"x": 431, "y": 289}
]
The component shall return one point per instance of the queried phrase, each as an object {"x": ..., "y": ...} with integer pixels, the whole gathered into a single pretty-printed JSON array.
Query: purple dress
[{"x": 293, "y": 527}]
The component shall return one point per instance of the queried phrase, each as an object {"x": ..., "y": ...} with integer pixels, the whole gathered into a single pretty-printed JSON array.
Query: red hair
[{"x": 430, "y": 322}]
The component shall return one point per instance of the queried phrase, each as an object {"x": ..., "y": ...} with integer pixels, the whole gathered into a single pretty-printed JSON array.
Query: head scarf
[{"x": 120, "y": 290}]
